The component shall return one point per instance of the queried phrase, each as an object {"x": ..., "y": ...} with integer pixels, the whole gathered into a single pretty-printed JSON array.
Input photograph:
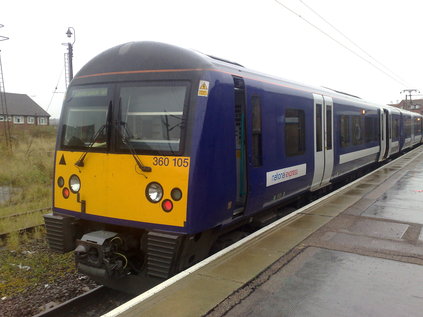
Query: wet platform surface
[
  {"x": 358, "y": 252},
  {"x": 322, "y": 282}
]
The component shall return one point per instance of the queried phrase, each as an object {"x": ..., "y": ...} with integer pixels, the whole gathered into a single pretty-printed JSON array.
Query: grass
[
  {"x": 27, "y": 169},
  {"x": 25, "y": 260}
]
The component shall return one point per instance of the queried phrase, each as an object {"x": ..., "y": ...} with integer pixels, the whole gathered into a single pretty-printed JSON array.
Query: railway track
[
  {"x": 5, "y": 235},
  {"x": 25, "y": 213},
  {"x": 15, "y": 217},
  {"x": 95, "y": 302}
]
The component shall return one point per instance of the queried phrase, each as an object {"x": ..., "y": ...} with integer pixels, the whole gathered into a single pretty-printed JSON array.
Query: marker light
[
  {"x": 176, "y": 194},
  {"x": 74, "y": 184},
  {"x": 154, "y": 192},
  {"x": 167, "y": 205},
  {"x": 60, "y": 182},
  {"x": 66, "y": 192}
]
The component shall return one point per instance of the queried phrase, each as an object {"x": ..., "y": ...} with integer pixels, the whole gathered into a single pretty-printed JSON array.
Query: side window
[
  {"x": 376, "y": 129},
  {"x": 357, "y": 128},
  {"x": 417, "y": 126},
  {"x": 256, "y": 130},
  {"x": 408, "y": 127},
  {"x": 369, "y": 129},
  {"x": 395, "y": 128},
  {"x": 294, "y": 132},
  {"x": 370, "y": 126},
  {"x": 345, "y": 131},
  {"x": 318, "y": 127},
  {"x": 329, "y": 127}
]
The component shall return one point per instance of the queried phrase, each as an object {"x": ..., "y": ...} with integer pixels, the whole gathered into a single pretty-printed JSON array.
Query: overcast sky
[{"x": 259, "y": 34}]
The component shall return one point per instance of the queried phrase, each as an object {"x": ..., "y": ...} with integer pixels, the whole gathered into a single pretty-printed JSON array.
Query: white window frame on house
[
  {"x": 18, "y": 120},
  {"x": 42, "y": 121},
  {"x": 30, "y": 120},
  {"x": 1, "y": 118}
]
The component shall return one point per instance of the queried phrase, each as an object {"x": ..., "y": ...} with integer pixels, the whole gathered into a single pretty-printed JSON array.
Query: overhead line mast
[{"x": 3, "y": 103}]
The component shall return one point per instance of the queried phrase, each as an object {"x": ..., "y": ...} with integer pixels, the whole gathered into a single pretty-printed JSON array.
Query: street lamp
[{"x": 70, "y": 50}]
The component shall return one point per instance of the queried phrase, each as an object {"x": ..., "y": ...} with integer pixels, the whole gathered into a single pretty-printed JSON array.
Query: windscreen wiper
[
  {"x": 125, "y": 140},
  {"x": 80, "y": 162}
]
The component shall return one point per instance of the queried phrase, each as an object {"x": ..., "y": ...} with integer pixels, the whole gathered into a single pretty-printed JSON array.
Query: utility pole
[
  {"x": 3, "y": 104},
  {"x": 409, "y": 91}
]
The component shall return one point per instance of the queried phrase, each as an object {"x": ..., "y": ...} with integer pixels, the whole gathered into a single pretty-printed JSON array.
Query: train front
[{"x": 122, "y": 164}]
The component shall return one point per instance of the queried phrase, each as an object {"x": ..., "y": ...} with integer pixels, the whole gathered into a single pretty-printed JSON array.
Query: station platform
[{"x": 355, "y": 252}]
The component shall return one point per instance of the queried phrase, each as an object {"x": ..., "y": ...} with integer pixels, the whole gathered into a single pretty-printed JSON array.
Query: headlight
[
  {"x": 154, "y": 192},
  {"x": 74, "y": 184}
]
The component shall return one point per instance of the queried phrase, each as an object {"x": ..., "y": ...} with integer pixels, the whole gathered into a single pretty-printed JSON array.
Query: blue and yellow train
[{"x": 162, "y": 152}]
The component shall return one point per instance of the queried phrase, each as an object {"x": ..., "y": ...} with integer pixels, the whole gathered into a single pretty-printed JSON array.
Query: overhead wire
[
  {"x": 352, "y": 42},
  {"x": 341, "y": 44},
  {"x": 55, "y": 90}
]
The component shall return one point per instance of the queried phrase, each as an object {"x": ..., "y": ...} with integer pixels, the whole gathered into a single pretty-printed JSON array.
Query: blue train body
[{"x": 254, "y": 142}]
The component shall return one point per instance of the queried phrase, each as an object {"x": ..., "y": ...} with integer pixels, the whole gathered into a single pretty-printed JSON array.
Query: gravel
[{"x": 41, "y": 295}]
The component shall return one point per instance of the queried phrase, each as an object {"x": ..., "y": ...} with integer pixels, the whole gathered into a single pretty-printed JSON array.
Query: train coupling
[{"x": 99, "y": 254}]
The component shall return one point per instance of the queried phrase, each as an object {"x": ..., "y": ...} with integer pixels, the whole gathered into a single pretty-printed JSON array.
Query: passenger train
[{"x": 162, "y": 152}]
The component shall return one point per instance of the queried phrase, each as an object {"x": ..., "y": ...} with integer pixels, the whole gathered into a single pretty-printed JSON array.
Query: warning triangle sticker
[
  {"x": 62, "y": 160},
  {"x": 203, "y": 89},
  {"x": 203, "y": 86}
]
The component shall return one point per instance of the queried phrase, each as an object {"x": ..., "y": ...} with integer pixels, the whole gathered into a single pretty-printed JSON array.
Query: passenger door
[
  {"x": 383, "y": 136},
  {"x": 323, "y": 141},
  {"x": 240, "y": 146},
  {"x": 388, "y": 132}
]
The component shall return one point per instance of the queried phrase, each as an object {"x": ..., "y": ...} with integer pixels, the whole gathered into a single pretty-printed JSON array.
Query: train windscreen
[
  {"x": 84, "y": 118},
  {"x": 152, "y": 115}
]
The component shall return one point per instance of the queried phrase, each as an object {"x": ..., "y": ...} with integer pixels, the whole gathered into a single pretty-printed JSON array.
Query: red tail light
[
  {"x": 65, "y": 192},
  {"x": 167, "y": 205}
]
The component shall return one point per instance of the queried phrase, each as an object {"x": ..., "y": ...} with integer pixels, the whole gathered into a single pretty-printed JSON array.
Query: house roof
[
  {"x": 416, "y": 105},
  {"x": 407, "y": 103},
  {"x": 22, "y": 105}
]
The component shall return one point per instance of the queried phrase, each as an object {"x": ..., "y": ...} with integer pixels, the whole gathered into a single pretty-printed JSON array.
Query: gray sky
[{"x": 259, "y": 34}]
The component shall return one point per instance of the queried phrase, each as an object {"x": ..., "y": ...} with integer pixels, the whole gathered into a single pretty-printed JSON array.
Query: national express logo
[{"x": 285, "y": 174}]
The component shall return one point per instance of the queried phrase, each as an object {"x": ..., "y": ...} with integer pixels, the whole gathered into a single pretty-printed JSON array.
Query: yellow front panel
[{"x": 113, "y": 186}]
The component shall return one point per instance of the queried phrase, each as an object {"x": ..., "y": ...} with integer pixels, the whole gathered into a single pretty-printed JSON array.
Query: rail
[
  {"x": 4, "y": 235},
  {"x": 25, "y": 213},
  {"x": 95, "y": 302}
]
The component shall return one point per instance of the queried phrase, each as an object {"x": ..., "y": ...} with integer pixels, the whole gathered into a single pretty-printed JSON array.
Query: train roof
[
  {"x": 139, "y": 56},
  {"x": 145, "y": 56}
]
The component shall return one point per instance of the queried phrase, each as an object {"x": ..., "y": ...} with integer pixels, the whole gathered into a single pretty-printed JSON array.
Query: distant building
[
  {"x": 413, "y": 105},
  {"x": 23, "y": 111}
]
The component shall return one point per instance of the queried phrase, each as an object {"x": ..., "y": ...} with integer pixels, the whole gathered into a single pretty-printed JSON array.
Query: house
[
  {"x": 23, "y": 111},
  {"x": 415, "y": 105}
]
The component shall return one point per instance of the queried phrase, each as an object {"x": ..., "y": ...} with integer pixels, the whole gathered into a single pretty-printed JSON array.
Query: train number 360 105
[{"x": 175, "y": 162}]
